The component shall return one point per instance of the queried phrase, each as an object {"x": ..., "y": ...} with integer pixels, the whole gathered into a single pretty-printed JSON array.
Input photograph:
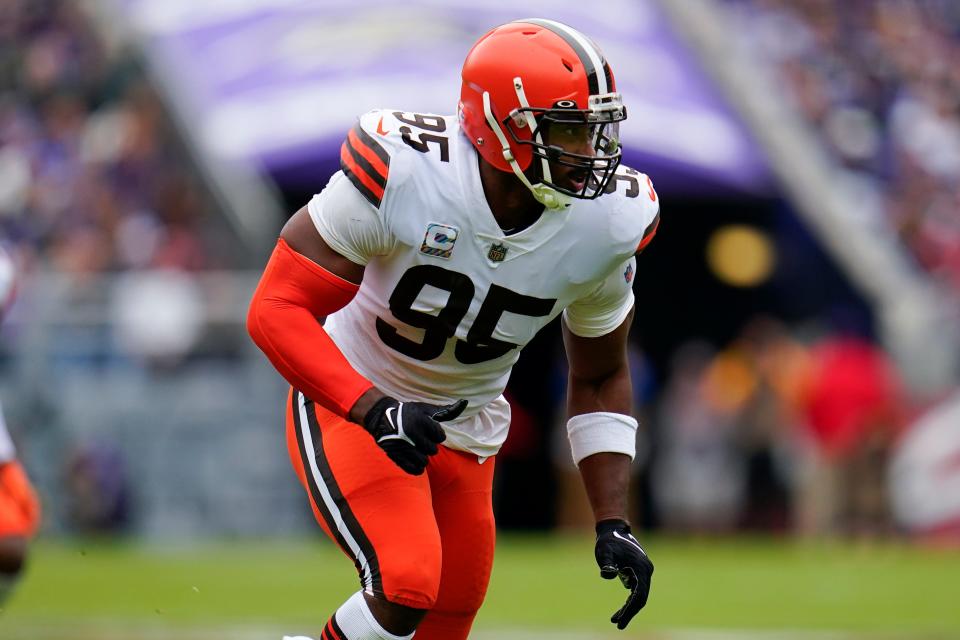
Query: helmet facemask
[
  {"x": 580, "y": 175},
  {"x": 560, "y": 174}
]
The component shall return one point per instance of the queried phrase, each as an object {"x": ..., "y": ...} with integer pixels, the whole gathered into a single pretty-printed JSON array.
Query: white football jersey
[
  {"x": 7, "y": 452},
  {"x": 448, "y": 298},
  {"x": 7, "y": 283}
]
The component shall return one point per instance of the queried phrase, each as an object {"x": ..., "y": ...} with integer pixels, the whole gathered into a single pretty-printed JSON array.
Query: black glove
[
  {"x": 619, "y": 554},
  {"x": 409, "y": 431}
]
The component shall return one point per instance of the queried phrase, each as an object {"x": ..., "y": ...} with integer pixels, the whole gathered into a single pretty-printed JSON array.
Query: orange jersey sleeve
[{"x": 282, "y": 320}]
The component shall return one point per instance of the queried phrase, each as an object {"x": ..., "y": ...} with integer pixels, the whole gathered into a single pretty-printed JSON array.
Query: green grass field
[{"x": 541, "y": 588}]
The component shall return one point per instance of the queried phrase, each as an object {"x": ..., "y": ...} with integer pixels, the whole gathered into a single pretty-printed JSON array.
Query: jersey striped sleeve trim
[
  {"x": 335, "y": 629},
  {"x": 366, "y": 163},
  {"x": 332, "y": 631},
  {"x": 649, "y": 233}
]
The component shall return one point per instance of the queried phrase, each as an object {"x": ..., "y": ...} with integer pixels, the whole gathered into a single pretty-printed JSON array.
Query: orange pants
[
  {"x": 420, "y": 541},
  {"x": 19, "y": 507}
]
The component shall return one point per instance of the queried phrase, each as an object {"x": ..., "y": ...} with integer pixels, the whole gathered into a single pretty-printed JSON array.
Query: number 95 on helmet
[{"x": 539, "y": 99}]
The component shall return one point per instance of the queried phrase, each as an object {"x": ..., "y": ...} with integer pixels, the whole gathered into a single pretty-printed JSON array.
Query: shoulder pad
[
  {"x": 365, "y": 160},
  {"x": 638, "y": 206},
  {"x": 382, "y": 134},
  {"x": 634, "y": 211},
  {"x": 652, "y": 205}
]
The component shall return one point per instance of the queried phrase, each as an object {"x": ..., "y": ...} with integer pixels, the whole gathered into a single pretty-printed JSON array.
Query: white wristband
[{"x": 601, "y": 431}]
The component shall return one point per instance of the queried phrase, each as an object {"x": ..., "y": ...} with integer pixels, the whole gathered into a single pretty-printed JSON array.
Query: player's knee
[
  {"x": 471, "y": 602},
  {"x": 415, "y": 584},
  {"x": 467, "y": 571},
  {"x": 463, "y": 603}
]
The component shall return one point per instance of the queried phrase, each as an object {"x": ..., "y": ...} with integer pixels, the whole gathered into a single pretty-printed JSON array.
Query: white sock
[{"x": 356, "y": 621}]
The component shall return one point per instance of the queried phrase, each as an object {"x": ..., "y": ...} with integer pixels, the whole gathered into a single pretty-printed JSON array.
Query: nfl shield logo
[{"x": 497, "y": 252}]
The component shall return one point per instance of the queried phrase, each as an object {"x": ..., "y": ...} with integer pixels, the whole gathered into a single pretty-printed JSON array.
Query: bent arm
[
  {"x": 304, "y": 281},
  {"x": 599, "y": 381}
]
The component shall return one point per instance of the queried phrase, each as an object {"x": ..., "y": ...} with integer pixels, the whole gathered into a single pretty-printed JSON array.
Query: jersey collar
[{"x": 484, "y": 227}]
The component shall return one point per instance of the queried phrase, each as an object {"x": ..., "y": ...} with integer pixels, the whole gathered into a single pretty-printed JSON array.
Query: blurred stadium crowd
[
  {"x": 91, "y": 176},
  {"x": 776, "y": 433},
  {"x": 879, "y": 81},
  {"x": 770, "y": 432}
]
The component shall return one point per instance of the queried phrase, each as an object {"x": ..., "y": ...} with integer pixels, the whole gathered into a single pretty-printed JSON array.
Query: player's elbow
[
  {"x": 259, "y": 319},
  {"x": 265, "y": 306},
  {"x": 601, "y": 374},
  {"x": 253, "y": 321}
]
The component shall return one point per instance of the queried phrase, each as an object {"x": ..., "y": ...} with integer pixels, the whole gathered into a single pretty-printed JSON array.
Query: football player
[
  {"x": 19, "y": 507},
  {"x": 440, "y": 249}
]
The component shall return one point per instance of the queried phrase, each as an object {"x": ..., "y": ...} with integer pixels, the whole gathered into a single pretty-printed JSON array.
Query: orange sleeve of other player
[
  {"x": 282, "y": 320},
  {"x": 19, "y": 506}
]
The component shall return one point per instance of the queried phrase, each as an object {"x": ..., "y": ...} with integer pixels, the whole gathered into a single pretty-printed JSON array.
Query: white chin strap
[{"x": 545, "y": 195}]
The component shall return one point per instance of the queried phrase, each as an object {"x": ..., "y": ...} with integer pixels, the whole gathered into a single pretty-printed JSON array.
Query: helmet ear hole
[{"x": 567, "y": 65}]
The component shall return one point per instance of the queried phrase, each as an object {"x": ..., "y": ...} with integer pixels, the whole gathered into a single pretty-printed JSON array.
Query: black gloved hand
[
  {"x": 619, "y": 554},
  {"x": 409, "y": 431}
]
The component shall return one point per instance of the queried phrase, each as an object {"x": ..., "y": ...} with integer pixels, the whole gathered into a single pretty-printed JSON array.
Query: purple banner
[{"x": 278, "y": 82}]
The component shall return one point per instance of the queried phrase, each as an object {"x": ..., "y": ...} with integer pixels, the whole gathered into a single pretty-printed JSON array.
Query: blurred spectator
[
  {"x": 853, "y": 409},
  {"x": 879, "y": 80},
  {"x": 770, "y": 434},
  {"x": 699, "y": 476},
  {"x": 158, "y": 315},
  {"x": 91, "y": 177},
  {"x": 728, "y": 432},
  {"x": 93, "y": 181},
  {"x": 758, "y": 380},
  {"x": 97, "y": 490}
]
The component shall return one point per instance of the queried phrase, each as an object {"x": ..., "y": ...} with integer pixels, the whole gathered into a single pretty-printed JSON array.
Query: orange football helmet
[{"x": 529, "y": 78}]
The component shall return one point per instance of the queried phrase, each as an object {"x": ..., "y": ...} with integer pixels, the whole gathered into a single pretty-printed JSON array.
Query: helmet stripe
[
  {"x": 596, "y": 68},
  {"x": 608, "y": 76}
]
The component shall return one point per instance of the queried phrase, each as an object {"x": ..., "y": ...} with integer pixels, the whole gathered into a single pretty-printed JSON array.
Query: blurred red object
[
  {"x": 524, "y": 435},
  {"x": 854, "y": 393}
]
